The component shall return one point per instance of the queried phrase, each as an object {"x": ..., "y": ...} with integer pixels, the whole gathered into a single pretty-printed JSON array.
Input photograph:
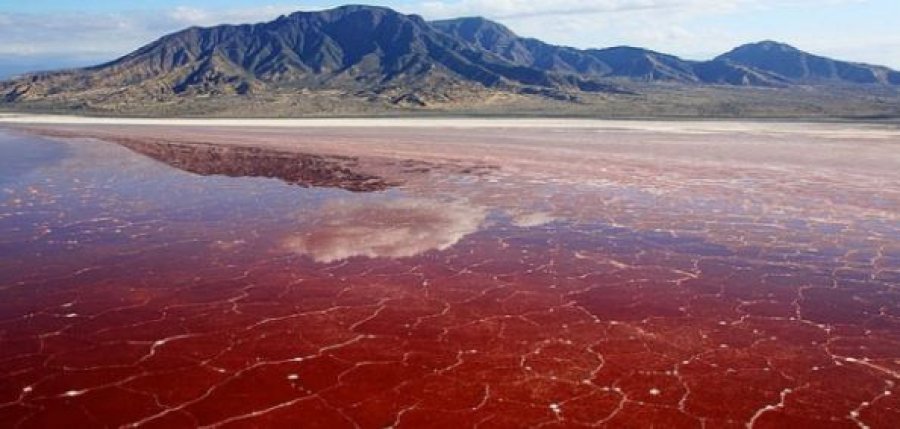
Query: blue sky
[{"x": 61, "y": 33}]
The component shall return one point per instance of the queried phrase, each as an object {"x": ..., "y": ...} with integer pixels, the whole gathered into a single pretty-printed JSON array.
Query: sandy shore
[{"x": 858, "y": 130}]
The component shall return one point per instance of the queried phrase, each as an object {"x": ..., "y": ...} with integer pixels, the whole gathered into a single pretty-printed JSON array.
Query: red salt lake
[{"x": 142, "y": 287}]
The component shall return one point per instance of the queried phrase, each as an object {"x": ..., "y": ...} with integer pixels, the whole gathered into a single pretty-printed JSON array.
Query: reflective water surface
[{"x": 200, "y": 287}]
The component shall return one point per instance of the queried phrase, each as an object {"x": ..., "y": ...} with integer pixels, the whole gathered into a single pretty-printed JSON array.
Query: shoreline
[
  {"x": 680, "y": 126},
  {"x": 576, "y": 150}
]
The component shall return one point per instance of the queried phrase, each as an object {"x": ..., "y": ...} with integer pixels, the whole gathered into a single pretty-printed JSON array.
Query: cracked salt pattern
[{"x": 133, "y": 294}]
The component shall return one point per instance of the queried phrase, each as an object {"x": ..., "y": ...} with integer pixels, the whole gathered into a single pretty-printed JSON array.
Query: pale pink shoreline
[{"x": 857, "y": 130}]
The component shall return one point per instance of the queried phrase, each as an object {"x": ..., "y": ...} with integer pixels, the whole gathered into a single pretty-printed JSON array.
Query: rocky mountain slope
[
  {"x": 800, "y": 67},
  {"x": 758, "y": 64},
  {"x": 374, "y": 56},
  {"x": 351, "y": 48}
]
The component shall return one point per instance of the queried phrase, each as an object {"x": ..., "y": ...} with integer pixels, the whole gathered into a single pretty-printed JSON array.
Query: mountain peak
[
  {"x": 357, "y": 49},
  {"x": 380, "y": 55},
  {"x": 349, "y": 8},
  {"x": 479, "y": 31},
  {"x": 805, "y": 68},
  {"x": 767, "y": 46},
  {"x": 474, "y": 23},
  {"x": 358, "y": 11}
]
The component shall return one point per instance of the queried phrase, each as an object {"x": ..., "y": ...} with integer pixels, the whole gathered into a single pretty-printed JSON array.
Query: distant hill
[
  {"x": 800, "y": 67},
  {"x": 375, "y": 56},
  {"x": 618, "y": 62}
]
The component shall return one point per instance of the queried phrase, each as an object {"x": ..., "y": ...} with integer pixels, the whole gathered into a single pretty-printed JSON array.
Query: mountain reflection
[{"x": 236, "y": 161}]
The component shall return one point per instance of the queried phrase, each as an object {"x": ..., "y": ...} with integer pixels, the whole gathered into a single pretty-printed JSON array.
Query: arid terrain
[
  {"x": 450, "y": 272},
  {"x": 371, "y": 60}
]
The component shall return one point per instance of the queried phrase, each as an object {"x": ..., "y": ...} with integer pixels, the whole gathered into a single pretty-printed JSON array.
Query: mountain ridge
[
  {"x": 734, "y": 67},
  {"x": 374, "y": 54}
]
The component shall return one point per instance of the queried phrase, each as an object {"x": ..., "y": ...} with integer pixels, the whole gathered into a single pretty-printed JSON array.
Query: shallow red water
[{"x": 135, "y": 294}]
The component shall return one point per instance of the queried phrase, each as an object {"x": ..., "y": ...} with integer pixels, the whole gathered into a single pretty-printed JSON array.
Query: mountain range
[{"x": 364, "y": 55}]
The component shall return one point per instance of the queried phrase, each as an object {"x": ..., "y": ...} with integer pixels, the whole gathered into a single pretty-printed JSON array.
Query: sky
[{"x": 48, "y": 34}]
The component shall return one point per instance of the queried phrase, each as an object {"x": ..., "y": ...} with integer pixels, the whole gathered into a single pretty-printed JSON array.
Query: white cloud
[
  {"x": 91, "y": 34},
  {"x": 528, "y": 220},
  {"x": 196, "y": 16},
  {"x": 385, "y": 229},
  {"x": 696, "y": 29},
  {"x": 189, "y": 15},
  {"x": 528, "y": 8},
  {"x": 531, "y": 8}
]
